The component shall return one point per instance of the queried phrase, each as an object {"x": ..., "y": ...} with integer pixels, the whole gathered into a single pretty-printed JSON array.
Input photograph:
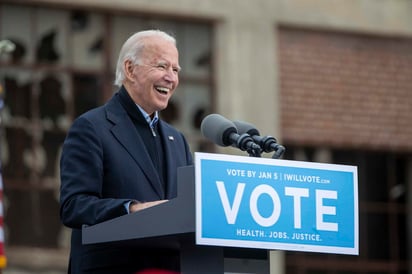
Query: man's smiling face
[{"x": 153, "y": 81}]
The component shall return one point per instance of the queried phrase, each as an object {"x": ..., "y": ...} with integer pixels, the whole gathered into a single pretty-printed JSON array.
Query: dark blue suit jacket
[{"x": 105, "y": 164}]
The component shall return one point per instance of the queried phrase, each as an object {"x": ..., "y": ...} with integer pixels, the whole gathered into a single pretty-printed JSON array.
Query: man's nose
[{"x": 171, "y": 75}]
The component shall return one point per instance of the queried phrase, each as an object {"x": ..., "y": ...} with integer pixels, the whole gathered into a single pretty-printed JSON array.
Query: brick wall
[{"x": 345, "y": 90}]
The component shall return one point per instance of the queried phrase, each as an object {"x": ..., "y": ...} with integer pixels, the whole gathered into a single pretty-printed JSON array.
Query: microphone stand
[
  {"x": 269, "y": 144},
  {"x": 254, "y": 152},
  {"x": 246, "y": 143},
  {"x": 278, "y": 152}
]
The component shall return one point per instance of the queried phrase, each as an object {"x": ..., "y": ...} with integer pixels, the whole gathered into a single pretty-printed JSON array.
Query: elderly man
[{"x": 120, "y": 157}]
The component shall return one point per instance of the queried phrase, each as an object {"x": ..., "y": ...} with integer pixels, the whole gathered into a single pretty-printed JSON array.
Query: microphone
[
  {"x": 267, "y": 143},
  {"x": 223, "y": 132}
]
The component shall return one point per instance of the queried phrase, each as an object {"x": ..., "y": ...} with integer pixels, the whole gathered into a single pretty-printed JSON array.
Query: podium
[{"x": 170, "y": 225}]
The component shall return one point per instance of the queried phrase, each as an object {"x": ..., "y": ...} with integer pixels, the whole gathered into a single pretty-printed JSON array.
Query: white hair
[{"x": 132, "y": 49}]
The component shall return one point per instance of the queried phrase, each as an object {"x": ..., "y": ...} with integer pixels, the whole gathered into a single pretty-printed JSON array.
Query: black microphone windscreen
[
  {"x": 217, "y": 129},
  {"x": 244, "y": 127}
]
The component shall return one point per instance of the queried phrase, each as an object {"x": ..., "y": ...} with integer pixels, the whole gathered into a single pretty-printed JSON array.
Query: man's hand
[{"x": 136, "y": 206}]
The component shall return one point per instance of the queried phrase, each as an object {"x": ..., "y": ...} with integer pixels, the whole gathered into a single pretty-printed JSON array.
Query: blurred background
[{"x": 330, "y": 79}]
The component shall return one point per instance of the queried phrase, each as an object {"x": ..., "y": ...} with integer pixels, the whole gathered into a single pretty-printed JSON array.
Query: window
[{"x": 64, "y": 65}]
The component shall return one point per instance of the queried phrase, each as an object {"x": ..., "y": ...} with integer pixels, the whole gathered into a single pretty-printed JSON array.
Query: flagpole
[{"x": 6, "y": 46}]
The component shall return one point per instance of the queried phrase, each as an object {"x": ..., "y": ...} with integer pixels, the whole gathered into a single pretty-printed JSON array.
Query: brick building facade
[{"x": 345, "y": 90}]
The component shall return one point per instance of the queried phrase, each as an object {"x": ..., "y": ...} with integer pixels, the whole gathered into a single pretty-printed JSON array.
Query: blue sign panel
[{"x": 276, "y": 204}]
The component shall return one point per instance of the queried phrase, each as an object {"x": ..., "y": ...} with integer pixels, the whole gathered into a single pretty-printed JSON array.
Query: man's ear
[{"x": 128, "y": 70}]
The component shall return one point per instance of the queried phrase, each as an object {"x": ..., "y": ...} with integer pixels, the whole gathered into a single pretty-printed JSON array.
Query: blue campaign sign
[{"x": 276, "y": 204}]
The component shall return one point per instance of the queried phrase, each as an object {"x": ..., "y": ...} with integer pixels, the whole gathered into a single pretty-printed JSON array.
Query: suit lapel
[
  {"x": 125, "y": 132},
  {"x": 168, "y": 141}
]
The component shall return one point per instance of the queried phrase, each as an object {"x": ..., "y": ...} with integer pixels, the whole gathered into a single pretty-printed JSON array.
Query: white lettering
[
  {"x": 325, "y": 210},
  {"x": 230, "y": 211},
  {"x": 235, "y": 172},
  {"x": 297, "y": 194},
  {"x": 272, "y": 219}
]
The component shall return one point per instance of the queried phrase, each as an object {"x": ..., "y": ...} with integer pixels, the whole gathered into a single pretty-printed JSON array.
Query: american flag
[
  {"x": 2, "y": 253},
  {"x": 3, "y": 260},
  {"x": 6, "y": 46}
]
